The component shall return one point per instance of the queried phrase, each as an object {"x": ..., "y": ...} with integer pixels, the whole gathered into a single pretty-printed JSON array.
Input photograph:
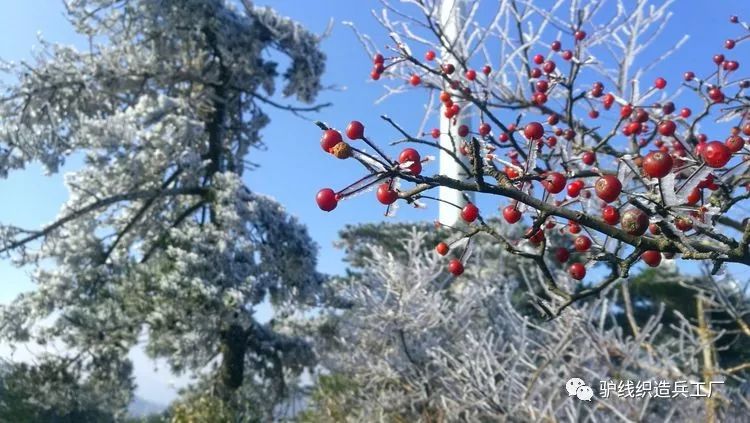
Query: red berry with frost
[
  {"x": 574, "y": 188},
  {"x": 610, "y": 215},
  {"x": 554, "y": 182},
  {"x": 533, "y": 131},
  {"x": 577, "y": 271},
  {"x": 442, "y": 248},
  {"x": 562, "y": 255},
  {"x": 484, "y": 129},
  {"x": 634, "y": 221},
  {"x": 716, "y": 154},
  {"x": 667, "y": 128},
  {"x": 582, "y": 243},
  {"x": 386, "y": 195},
  {"x": 651, "y": 258},
  {"x": 511, "y": 214},
  {"x": 608, "y": 188},
  {"x": 355, "y": 130},
  {"x": 330, "y": 138},
  {"x": 469, "y": 213},
  {"x": 326, "y": 199},
  {"x": 657, "y": 164},
  {"x": 456, "y": 267},
  {"x": 588, "y": 158}
]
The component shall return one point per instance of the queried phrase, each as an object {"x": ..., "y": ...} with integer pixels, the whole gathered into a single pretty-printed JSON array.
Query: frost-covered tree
[
  {"x": 409, "y": 342},
  {"x": 160, "y": 241}
]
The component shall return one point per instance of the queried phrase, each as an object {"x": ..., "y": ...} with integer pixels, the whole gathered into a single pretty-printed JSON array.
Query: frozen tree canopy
[{"x": 159, "y": 235}]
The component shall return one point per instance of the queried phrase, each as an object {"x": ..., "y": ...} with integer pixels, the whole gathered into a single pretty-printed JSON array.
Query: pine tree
[{"x": 160, "y": 238}]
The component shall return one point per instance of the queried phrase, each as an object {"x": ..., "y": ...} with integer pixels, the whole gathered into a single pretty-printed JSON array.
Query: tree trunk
[{"x": 233, "y": 349}]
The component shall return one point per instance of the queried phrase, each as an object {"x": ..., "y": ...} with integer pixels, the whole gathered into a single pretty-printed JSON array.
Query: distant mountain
[{"x": 141, "y": 407}]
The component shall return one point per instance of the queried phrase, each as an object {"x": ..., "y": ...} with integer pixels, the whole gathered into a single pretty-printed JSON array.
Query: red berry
[
  {"x": 378, "y": 58},
  {"x": 567, "y": 55},
  {"x": 548, "y": 66},
  {"x": 386, "y": 195},
  {"x": 608, "y": 188},
  {"x": 686, "y": 112},
  {"x": 577, "y": 271},
  {"x": 330, "y": 138},
  {"x": 554, "y": 118},
  {"x": 542, "y": 86},
  {"x": 716, "y": 95},
  {"x": 574, "y": 228},
  {"x": 471, "y": 74},
  {"x": 355, "y": 130},
  {"x": 484, "y": 129},
  {"x": 562, "y": 255},
  {"x": 533, "y": 131},
  {"x": 683, "y": 223},
  {"x": 654, "y": 229},
  {"x": 610, "y": 215},
  {"x": 463, "y": 131},
  {"x": 536, "y": 73},
  {"x": 588, "y": 158},
  {"x": 409, "y": 155},
  {"x": 689, "y": 76},
  {"x": 442, "y": 248},
  {"x": 448, "y": 68},
  {"x": 694, "y": 196},
  {"x": 593, "y": 114},
  {"x": 626, "y": 111},
  {"x": 486, "y": 69},
  {"x": 511, "y": 214},
  {"x": 429, "y": 56},
  {"x": 582, "y": 243},
  {"x": 716, "y": 154},
  {"x": 651, "y": 258},
  {"x": 634, "y": 221},
  {"x": 731, "y": 65},
  {"x": 435, "y": 133},
  {"x": 538, "y": 59},
  {"x": 579, "y": 35},
  {"x": 667, "y": 128},
  {"x": 555, "y": 46},
  {"x": 554, "y": 182},
  {"x": 469, "y": 213},
  {"x": 735, "y": 143},
  {"x": 535, "y": 238},
  {"x": 456, "y": 267},
  {"x": 574, "y": 188},
  {"x": 326, "y": 199},
  {"x": 375, "y": 75},
  {"x": 608, "y": 101},
  {"x": 660, "y": 83},
  {"x": 657, "y": 164},
  {"x": 729, "y": 44},
  {"x": 415, "y": 80},
  {"x": 718, "y": 58}
]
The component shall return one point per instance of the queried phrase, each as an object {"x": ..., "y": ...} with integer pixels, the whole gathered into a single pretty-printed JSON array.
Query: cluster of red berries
[{"x": 655, "y": 125}]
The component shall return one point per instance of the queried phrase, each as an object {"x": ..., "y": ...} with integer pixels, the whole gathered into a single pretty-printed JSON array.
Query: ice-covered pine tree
[{"x": 160, "y": 238}]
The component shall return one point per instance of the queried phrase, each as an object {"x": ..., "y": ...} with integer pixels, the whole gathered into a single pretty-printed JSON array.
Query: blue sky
[{"x": 293, "y": 168}]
